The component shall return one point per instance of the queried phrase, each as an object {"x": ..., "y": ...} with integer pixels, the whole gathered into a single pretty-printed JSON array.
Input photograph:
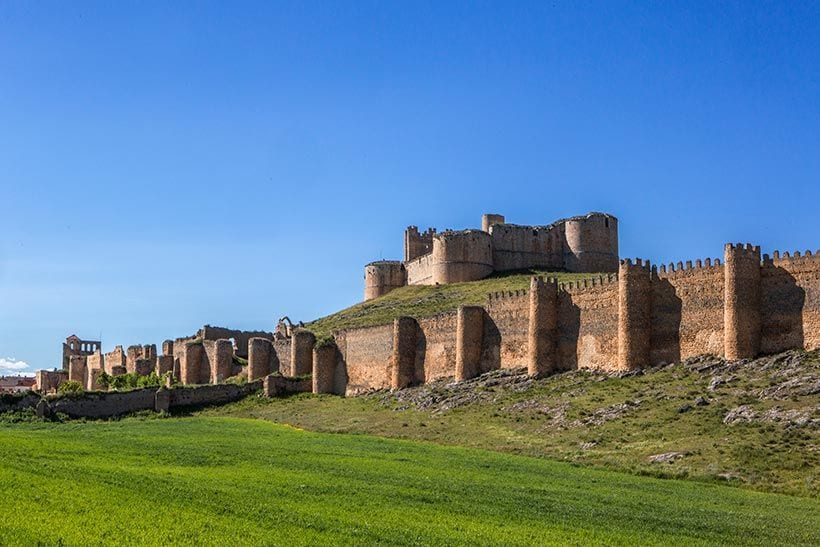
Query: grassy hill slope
[
  {"x": 225, "y": 481},
  {"x": 753, "y": 424},
  {"x": 426, "y": 300}
]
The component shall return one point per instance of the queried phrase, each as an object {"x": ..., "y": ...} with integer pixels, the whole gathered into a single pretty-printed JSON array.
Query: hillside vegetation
[
  {"x": 426, "y": 300},
  {"x": 748, "y": 423},
  {"x": 222, "y": 481}
]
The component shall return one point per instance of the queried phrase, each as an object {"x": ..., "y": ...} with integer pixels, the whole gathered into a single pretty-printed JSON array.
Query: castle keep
[
  {"x": 586, "y": 243},
  {"x": 626, "y": 315}
]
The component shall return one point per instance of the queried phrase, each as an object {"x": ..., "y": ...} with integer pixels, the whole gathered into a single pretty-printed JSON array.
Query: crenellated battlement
[
  {"x": 687, "y": 268},
  {"x": 417, "y": 244},
  {"x": 636, "y": 263},
  {"x": 507, "y": 296},
  {"x": 414, "y": 230},
  {"x": 589, "y": 284},
  {"x": 747, "y": 250},
  {"x": 778, "y": 258},
  {"x": 453, "y": 234}
]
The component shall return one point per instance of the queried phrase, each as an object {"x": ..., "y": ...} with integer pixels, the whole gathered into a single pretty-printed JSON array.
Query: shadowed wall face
[
  {"x": 543, "y": 328},
  {"x": 324, "y": 368},
  {"x": 506, "y": 331}
]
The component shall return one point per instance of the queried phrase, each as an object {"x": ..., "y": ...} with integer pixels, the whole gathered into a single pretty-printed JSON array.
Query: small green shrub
[
  {"x": 239, "y": 379},
  {"x": 124, "y": 381},
  {"x": 70, "y": 386},
  {"x": 104, "y": 380},
  {"x": 152, "y": 380},
  {"x": 169, "y": 376},
  {"x": 324, "y": 341}
]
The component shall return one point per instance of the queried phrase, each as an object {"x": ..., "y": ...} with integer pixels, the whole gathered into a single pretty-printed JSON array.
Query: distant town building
[{"x": 16, "y": 384}]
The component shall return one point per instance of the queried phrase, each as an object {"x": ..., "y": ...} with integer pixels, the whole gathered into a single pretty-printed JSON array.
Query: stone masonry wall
[
  {"x": 687, "y": 310},
  {"x": 114, "y": 359},
  {"x": 588, "y": 324},
  {"x": 436, "y": 354},
  {"x": 506, "y": 330},
  {"x": 367, "y": 356},
  {"x": 104, "y": 405},
  {"x": 240, "y": 337},
  {"x": 281, "y": 356},
  {"x": 643, "y": 317},
  {"x": 420, "y": 270},
  {"x": 790, "y": 301}
]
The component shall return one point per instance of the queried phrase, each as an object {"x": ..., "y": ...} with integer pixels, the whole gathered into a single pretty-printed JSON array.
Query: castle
[
  {"x": 586, "y": 243},
  {"x": 626, "y": 315}
]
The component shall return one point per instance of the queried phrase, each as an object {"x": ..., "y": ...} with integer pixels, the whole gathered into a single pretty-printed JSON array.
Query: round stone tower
[
  {"x": 462, "y": 256},
  {"x": 382, "y": 277},
  {"x": 592, "y": 243}
]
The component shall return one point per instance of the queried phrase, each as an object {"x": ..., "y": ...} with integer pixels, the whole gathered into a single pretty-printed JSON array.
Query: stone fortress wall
[
  {"x": 636, "y": 315},
  {"x": 641, "y": 316},
  {"x": 586, "y": 243}
]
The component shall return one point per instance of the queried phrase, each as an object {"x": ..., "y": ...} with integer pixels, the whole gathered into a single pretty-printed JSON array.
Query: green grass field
[
  {"x": 228, "y": 481},
  {"x": 594, "y": 419}
]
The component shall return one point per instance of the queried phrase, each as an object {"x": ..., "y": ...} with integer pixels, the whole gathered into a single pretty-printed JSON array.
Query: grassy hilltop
[
  {"x": 426, "y": 300},
  {"x": 224, "y": 481}
]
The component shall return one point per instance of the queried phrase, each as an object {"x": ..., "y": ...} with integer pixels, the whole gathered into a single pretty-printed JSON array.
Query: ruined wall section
[
  {"x": 367, "y": 354},
  {"x": 95, "y": 364},
  {"x": 193, "y": 362},
  {"x": 115, "y": 362},
  {"x": 687, "y": 310},
  {"x": 218, "y": 363},
  {"x": 48, "y": 381},
  {"x": 240, "y": 337},
  {"x": 280, "y": 358},
  {"x": 790, "y": 301}
]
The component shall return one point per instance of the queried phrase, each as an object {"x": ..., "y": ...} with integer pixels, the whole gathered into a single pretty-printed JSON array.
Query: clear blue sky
[{"x": 166, "y": 165}]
